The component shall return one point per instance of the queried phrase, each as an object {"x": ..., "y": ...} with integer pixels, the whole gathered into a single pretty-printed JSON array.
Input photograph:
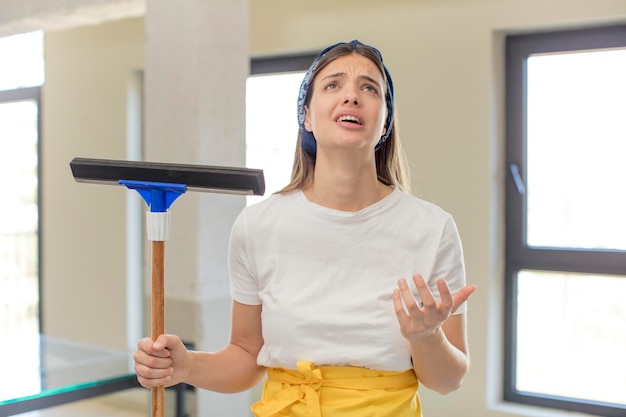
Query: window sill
[{"x": 531, "y": 411}]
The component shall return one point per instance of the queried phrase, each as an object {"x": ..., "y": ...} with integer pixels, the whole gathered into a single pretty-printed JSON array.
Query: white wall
[{"x": 446, "y": 58}]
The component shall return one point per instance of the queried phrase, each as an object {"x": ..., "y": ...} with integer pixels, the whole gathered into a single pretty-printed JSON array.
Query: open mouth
[{"x": 349, "y": 119}]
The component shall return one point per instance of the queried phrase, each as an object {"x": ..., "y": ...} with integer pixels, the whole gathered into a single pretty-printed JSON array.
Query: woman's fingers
[
  {"x": 152, "y": 373},
  {"x": 428, "y": 301},
  {"x": 153, "y": 382},
  {"x": 434, "y": 312},
  {"x": 153, "y": 362},
  {"x": 462, "y": 296},
  {"x": 421, "y": 320},
  {"x": 155, "y": 348},
  {"x": 447, "y": 301},
  {"x": 407, "y": 296},
  {"x": 403, "y": 318}
]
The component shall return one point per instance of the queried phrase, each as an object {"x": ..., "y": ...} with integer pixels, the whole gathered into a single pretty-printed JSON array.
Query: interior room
[{"x": 166, "y": 81}]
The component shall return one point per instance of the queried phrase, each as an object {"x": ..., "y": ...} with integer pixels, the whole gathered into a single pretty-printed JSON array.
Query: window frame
[
  {"x": 277, "y": 64},
  {"x": 33, "y": 94},
  {"x": 518, "y": 255}
]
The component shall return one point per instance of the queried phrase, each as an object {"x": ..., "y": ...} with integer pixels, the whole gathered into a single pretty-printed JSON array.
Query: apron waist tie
[{"x": 305, "y": 383}]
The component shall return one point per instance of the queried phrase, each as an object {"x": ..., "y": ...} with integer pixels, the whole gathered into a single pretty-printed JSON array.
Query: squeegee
[{"x": 159, "y": 184}]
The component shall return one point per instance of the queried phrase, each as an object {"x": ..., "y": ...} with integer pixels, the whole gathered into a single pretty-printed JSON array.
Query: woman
[{"x": 320, "y": 303}]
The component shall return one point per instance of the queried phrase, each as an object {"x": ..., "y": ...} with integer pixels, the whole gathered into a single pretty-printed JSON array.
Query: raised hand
[{"x": 418, "y": 322}]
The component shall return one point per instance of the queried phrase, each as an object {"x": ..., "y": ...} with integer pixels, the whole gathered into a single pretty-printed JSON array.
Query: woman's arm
[
  {"x": 231, "y": 369},
  {"x": 438, "y": 339},
  {"x": 439, "y": 363}
]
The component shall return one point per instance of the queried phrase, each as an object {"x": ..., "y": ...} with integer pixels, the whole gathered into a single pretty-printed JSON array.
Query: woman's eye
[
  {"x": 330, "y": 85},
  {"x": 370, "y": 88}
]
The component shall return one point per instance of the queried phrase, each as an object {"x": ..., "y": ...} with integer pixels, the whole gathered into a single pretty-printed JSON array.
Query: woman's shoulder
[
  {"x": 272, "y": 204},
  {"x": 413, "y": 202},
  {"x": 420, "y": 214}
]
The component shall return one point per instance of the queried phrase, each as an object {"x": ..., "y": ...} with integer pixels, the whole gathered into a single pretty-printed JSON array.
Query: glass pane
[
  {"x": 22, "y": 61},
  {"x": 571, "y": 337},
  {"x": 19, "y": 297},
  {"x": 576, "y": 149},
  {"x": 42, "y": 366},
  {"x": 272, "y": 128}
]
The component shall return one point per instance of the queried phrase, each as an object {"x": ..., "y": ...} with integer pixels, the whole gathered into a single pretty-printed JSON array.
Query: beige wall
[
  {"x": 446, "y": 58},
  {"x": 88, "y": 71}
]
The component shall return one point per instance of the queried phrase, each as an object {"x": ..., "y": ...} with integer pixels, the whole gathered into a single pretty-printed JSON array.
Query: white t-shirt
[{"x": 325, "y": 278}]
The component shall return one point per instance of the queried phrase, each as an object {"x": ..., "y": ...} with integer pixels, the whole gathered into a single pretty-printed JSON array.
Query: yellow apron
[{"x": 338, "y": 391}]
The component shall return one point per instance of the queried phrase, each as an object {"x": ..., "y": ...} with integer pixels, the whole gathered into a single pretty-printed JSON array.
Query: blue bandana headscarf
[{"x": 309, "y": 143}]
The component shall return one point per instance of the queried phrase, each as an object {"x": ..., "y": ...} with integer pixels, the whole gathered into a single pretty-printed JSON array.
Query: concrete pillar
[{"x": 196, "y": 65}]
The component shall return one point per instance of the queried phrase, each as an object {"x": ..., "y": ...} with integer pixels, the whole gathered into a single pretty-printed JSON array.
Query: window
[
  {"x": 565, "y": 331},
  {"x": 271, "y": 123},
  {"x": 21, "y": 75}
]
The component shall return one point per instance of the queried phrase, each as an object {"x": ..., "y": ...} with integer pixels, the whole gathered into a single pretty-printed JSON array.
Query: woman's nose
[
  {"x": 351, "y": 97},
  {"x": 351, "y": 94}
]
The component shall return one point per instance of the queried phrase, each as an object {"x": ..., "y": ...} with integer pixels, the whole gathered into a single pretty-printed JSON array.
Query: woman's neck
[{"x": 347, "y": 187}]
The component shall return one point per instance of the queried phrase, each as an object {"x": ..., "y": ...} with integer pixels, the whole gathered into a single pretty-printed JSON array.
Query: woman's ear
[{"x": 307, "y": 120}]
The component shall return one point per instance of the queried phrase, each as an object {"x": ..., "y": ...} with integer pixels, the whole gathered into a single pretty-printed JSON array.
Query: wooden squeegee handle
[{"x": 158, "y": 316}]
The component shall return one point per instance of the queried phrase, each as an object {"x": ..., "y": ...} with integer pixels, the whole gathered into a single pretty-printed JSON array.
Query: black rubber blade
[{"x": 196, "y": 177}]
